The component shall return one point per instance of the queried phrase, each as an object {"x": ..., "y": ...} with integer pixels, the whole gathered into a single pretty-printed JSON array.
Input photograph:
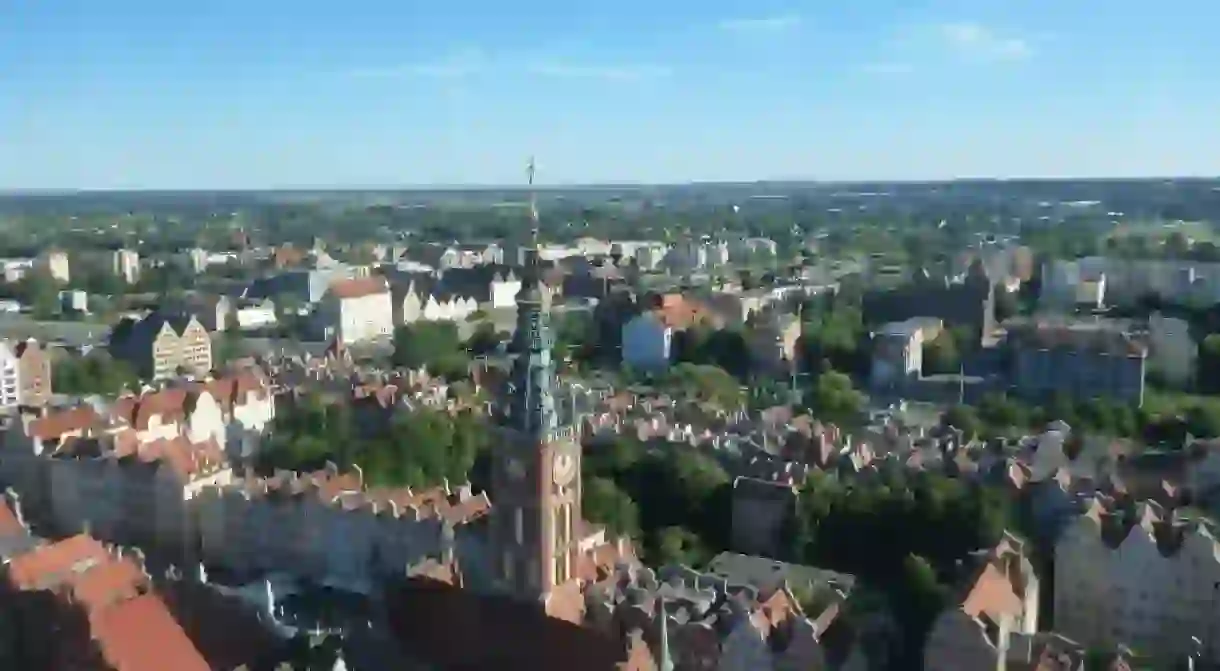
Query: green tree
[
  {"x": 1208, "y": 375},
  {"x": 1203, "y": 420},
  {"x": 434, "y": 345},
  {"x": 484, "y": 340},
  {"x": 603, "y": 502},
  {"x": 835, "y": 398},
  {"x": 677, "y": 545},
  {"x": 965, "y": 418}
]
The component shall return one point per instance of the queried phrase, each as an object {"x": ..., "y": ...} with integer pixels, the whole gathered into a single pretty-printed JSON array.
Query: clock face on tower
[{"x": 563, "y": 469}]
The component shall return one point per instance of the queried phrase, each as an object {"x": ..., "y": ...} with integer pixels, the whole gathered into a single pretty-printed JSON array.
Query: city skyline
[{"x": 137, "y": 95}]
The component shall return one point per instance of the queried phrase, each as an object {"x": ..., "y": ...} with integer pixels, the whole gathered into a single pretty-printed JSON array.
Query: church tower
[{"x": 536, "y": 481}]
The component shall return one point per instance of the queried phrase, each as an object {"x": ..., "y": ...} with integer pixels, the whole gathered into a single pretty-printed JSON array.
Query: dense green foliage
[
  {"x": 675, "y": 500},
  {"x": 1164, "y": 418},
  {"x": 418, "y": 448},
  {"x": 436, "y": 346},
  {"x": 902, "y": 535},
  {"x": 96, "y": 373}
]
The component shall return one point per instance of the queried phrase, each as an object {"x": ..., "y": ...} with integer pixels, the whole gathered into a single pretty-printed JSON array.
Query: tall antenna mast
[{"x": 529, "y": 172}]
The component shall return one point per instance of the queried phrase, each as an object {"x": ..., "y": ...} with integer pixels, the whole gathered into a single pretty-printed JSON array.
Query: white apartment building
[
  {"x": 1127, "y": 281},
  {"x": 1151, "y": 583},
  {"x": 10, "y": 376},
  {"x": 358, "y": 310},
  {"x": 126, "y": 265},
  {"x": 55, "y": 263}
]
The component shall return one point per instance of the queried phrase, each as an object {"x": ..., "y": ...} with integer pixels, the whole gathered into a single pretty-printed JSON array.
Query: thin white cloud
[
  {"x": 619, "y": 73},
  {"x": 887, "y": 68},
  {"x": 768, "y": 24},
  {"x": 460, "y": 65},
  {"x": 980, "y": 41}
]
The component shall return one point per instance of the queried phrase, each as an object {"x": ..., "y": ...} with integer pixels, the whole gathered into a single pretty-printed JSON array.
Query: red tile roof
[
  {"x": 359, "y": 288},
  {"x": 679, "y": 312},
  {"x": 140, "y": 635},
  {"x": 9, "y": 524},
  {"x": 53, "y": 565},
  {"x": 131, "y": 628},
  {"x": 55, "y": 424}
]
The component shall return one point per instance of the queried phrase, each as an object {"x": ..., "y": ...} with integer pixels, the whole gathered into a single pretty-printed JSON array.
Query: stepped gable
[
  {"x": 1164, "y": 527},
  {"x": 347, "y": 491}
]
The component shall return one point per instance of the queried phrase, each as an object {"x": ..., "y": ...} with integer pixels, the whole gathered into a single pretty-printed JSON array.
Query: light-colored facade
[
  {"x": 1151, "y": 583},
  {"x": 126, "y": 265},
  {"x": 504, "y": 291},
  {"x": 1173, "y": 352},
  {"x": 162, "y": 346},
  {"x": 1129, "y": 280},
  {"x": 898, "y": 350},
  {"x": 10, "y": 376},
  {"x": 358, "y": 310},
  {"x": 255, "y": 316},
  {"x": 55, "y": 263},
  {"x": 33, "y": 374}
]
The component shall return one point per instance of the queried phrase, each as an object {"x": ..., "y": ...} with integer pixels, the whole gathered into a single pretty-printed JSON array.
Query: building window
[{"x": 519, "y": 526}]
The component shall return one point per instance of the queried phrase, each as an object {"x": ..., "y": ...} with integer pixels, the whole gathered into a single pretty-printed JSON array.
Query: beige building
[
  {"x": 55, "y": 263},
  {"x": 1150, "y": 581},
  {"x": 998, "y": 606},
  {"x": 126, "y": 265},
  {"x": 162, "y": 345},
  {"x": 358, "y": 310},
  {"x": 34, "y": 373}
]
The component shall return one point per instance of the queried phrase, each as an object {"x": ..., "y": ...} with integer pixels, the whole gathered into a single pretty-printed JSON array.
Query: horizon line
[{"x": 594, "y": 185}]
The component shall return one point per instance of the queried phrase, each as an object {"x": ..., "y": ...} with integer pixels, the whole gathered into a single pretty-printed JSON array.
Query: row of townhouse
[
  {"x": 94, "y": 464},
  {"x": 329, "y": 528},
  {"x": 1140, "y": 576}
]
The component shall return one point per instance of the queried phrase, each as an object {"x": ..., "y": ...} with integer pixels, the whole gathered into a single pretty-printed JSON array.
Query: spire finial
[{"x": 529, "y": 172}]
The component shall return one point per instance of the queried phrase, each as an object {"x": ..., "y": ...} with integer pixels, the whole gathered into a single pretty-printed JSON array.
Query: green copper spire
[{"x": 531, "y": 401}]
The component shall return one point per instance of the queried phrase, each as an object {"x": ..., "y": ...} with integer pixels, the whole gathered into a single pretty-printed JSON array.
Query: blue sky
[{"x": 273, "y": 93}]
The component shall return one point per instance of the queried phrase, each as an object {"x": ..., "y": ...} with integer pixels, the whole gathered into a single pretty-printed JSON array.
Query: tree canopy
[
  {"x": 418, "y": 448},
  {"x": 435, "y": 345}
]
